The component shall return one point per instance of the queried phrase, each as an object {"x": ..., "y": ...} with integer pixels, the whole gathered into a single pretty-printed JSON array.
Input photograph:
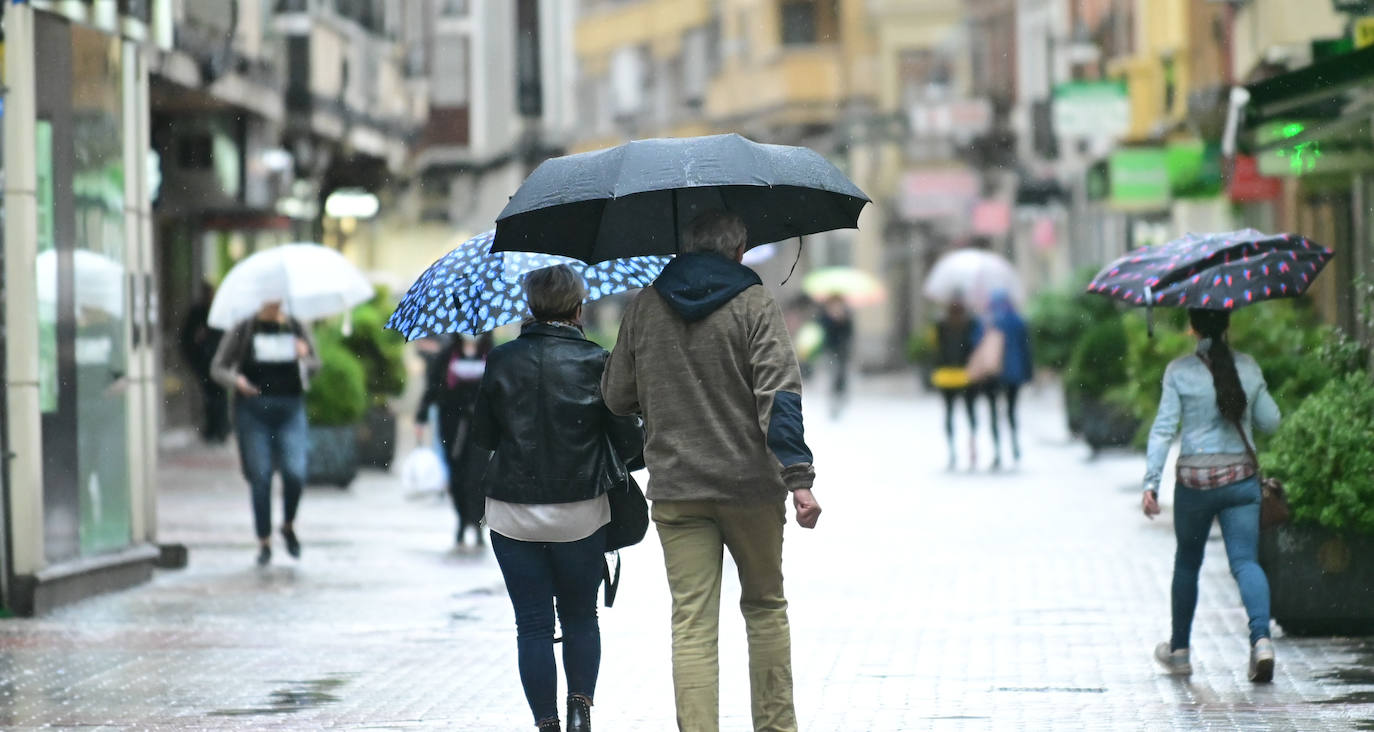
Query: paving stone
[{"x": 927, "y": 600}]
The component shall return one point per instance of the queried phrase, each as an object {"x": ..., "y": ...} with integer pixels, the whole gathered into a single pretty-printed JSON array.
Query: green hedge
[
  {"x": 338, "y": 391},
  {"x": 1059, "y": 319},
  {"x": 380, "y": 352},
  {"x": 1322, "y": 452}
]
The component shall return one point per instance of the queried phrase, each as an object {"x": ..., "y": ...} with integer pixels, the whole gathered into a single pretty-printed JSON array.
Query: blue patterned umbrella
[
  {"x": 1223, "y": 271},
  {"x": 472, "y": 290}
]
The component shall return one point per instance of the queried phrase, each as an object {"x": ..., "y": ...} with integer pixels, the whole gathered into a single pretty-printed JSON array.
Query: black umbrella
[{"x": 635, "y": 199}]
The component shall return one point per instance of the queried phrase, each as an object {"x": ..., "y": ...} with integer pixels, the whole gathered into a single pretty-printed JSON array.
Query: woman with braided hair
[{"x": 1215, "y": 397}]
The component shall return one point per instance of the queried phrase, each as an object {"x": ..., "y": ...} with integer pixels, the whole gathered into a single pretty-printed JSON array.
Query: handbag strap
[{"x": 1249, "y": 448}]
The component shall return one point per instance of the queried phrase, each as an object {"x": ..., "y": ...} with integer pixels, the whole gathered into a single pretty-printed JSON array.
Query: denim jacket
[{"x": 1190, "y": 397}]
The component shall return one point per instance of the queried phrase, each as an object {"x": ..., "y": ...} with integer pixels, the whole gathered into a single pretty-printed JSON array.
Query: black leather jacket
[{"x": 540, "y": 410}]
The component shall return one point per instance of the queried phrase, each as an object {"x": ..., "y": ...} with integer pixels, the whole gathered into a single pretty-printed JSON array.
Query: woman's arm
[
  {"x": 1162, "y": 432},
  {"x": 224, "y": 367},
  {"x": 485, "y": 431},
  {"x": 1264, "y": 412}
]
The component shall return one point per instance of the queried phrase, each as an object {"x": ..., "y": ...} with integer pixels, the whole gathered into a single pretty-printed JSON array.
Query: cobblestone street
[{"x": 1027, "y": 599}]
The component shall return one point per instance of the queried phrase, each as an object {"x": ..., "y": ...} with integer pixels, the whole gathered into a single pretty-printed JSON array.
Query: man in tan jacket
[{"x": 705, "y": 357}]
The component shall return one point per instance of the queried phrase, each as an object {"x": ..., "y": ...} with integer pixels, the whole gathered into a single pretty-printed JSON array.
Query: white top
[{"x": 552, "y": 522}]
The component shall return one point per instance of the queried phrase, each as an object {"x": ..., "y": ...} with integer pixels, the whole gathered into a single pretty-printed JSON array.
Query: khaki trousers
[{"x": 694, "y": 535}]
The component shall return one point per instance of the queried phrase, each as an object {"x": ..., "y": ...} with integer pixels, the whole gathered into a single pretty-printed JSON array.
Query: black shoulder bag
[{"x": 629, "y": 518}]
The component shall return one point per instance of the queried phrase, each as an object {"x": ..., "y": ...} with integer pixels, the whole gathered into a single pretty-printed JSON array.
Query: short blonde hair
[{"x": 555, "y": 293}]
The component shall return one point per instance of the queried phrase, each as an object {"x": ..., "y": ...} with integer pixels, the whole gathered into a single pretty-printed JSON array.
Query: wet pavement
[{"x": 1027, "y": 599}]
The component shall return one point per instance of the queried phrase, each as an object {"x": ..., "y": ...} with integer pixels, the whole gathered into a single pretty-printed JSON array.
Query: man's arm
[
  {"x": 777, "y": 393},
  {"x": 619, "y": 387}
]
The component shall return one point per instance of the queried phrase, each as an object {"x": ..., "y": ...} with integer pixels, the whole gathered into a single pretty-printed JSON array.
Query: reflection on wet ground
[{"x": 293, "y": 696}]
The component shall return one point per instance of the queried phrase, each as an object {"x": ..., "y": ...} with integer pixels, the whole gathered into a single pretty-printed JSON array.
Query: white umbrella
[
  {"x": 98, "y": 280},
  {"x": 311, "y": 282},
  {"x": 973, "y": 275}
]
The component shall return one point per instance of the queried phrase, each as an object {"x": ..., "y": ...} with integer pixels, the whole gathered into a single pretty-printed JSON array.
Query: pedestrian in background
[
  {"x": 837, "y": 323},
  {"x": 955, "y": 336},
  {"x": 540, "y": 411},
  {"x": 453, "y": 376},
  {"x": 1014, "y": 371},
  {"x": 705, "y": 357},
  {"x": 1219, "y": 397},
  {"x": 267, "y": 360},
  {"x": 199, "y": 342}
]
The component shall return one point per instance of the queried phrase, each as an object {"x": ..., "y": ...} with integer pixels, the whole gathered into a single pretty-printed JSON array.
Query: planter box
[
  {"x": 333, "y": 456},
  {"x": 377, "y": 438},
  {"x": 1104, "y": 425},
  {"x": 1321, "y": 583}
]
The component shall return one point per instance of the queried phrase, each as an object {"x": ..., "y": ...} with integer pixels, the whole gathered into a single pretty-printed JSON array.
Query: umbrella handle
[{"x": 1149, "y": 311}]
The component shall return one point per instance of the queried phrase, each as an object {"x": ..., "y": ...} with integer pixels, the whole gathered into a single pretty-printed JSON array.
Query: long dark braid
[{"x": 1212, "y": 325}]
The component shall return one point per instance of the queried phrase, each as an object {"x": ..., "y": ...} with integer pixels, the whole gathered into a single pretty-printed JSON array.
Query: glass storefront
[{"x": 83, "y": 303}]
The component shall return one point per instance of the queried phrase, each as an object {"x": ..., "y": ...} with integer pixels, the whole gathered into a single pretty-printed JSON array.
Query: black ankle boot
[
  {"x": 579, "y": 713},
  {"x": 549, "y": 725}
]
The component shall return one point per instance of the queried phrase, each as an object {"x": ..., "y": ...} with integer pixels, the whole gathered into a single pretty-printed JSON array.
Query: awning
[
  {"x": 1313, "y": 120},
  {"x": 1317, "y": 90}
]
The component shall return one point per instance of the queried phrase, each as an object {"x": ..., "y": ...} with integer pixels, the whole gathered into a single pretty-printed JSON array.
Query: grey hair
[
  {"x": 555, "y": 293},
  {"x": 717, "y": 231}
]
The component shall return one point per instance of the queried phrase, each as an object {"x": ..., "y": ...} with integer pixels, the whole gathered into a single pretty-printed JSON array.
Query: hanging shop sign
[
  {"x": 932, "y": 194},
  {"x": 1092, "y": 109},
  {"x": 1194, "y": 169},
  {"x": 1248, "y": 185},
  {"x": 1139, "y": 179}
]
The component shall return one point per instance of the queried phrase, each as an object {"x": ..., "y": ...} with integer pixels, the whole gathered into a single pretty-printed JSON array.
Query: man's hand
[
  {"x": 808, "y": 511},
  {"x": 302, "y": 348},
  {"x": 245, "y": 387},
  {"x": 1149, "y": 502}
]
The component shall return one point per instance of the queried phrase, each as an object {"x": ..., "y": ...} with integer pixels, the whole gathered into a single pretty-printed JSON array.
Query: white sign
[{"x": 1095, "y": 110}]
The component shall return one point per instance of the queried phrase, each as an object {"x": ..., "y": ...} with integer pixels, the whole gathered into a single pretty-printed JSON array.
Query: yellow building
[{"x": 777, "y": 70}]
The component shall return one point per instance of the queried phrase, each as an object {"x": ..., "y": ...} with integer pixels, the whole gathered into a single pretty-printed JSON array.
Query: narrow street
[{"x": 1027, "y": 599}]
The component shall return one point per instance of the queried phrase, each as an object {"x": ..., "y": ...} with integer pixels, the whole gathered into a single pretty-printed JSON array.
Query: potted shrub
[
  {"x": 334, "y": 405},
  {"x": 1321, "y": 565},
  {"x": 1097, "y": 367},
  {"x": 381, "y": 354}
]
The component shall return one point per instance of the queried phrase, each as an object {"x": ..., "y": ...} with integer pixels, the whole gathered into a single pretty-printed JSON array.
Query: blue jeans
[
  {"x": 537, "y": 574},
  {"x": 1237, "y": 507},
  {"x": 272, "y": 436}
]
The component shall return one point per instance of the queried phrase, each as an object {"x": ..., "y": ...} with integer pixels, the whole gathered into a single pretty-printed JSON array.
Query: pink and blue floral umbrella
[
  {"x": 473, "y": 290},
  {"x": 1222, "y": 271}
]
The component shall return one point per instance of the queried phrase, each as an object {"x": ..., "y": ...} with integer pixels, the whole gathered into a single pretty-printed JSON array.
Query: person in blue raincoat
[{"x": 1017, "y": 369}]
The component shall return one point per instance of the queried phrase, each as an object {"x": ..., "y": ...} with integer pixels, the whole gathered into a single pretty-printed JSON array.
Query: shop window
[{"x": 799, "y": 23}]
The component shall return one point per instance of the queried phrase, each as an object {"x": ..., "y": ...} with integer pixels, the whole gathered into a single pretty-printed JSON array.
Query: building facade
[{"x": 80, "y": 390}]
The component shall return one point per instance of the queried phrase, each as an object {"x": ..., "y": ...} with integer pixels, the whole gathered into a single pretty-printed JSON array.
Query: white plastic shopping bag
[{"x": 424, "y": 471}]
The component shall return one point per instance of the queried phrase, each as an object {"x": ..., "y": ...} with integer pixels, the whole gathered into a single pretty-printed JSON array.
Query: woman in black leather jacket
[{"x": 540, "y": 411}]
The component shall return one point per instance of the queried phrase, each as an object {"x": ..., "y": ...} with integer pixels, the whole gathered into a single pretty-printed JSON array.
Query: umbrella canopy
[
  {"x": 1220, "y": 271},
  {"x": 472, "y": 290},
  {"x": 636, "y": 199},
  {"x": 973, "y": 276},
  {"x": 311, "y": 282},
  {"x": 854, "y": 285}
]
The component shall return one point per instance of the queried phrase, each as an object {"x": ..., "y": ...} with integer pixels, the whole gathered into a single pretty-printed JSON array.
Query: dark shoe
[
  {"x": 579, "y": 713},
  {"x": 549, "y": 725},
  {"x": 264, "y": 556},
  {"x": 293, "y": 545}
]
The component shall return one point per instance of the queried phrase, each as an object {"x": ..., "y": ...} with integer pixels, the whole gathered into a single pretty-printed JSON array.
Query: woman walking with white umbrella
[{"x": 266, "y": 359}]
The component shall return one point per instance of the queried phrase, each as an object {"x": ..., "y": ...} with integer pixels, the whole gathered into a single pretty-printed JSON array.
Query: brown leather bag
[{"x": 1274, "y": 510}]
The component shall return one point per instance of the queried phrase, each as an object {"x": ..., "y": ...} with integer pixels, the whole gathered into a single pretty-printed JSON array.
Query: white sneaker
[
  {"x": 1175, "y": 662},
  {"x": 1262, "y": 661}
]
